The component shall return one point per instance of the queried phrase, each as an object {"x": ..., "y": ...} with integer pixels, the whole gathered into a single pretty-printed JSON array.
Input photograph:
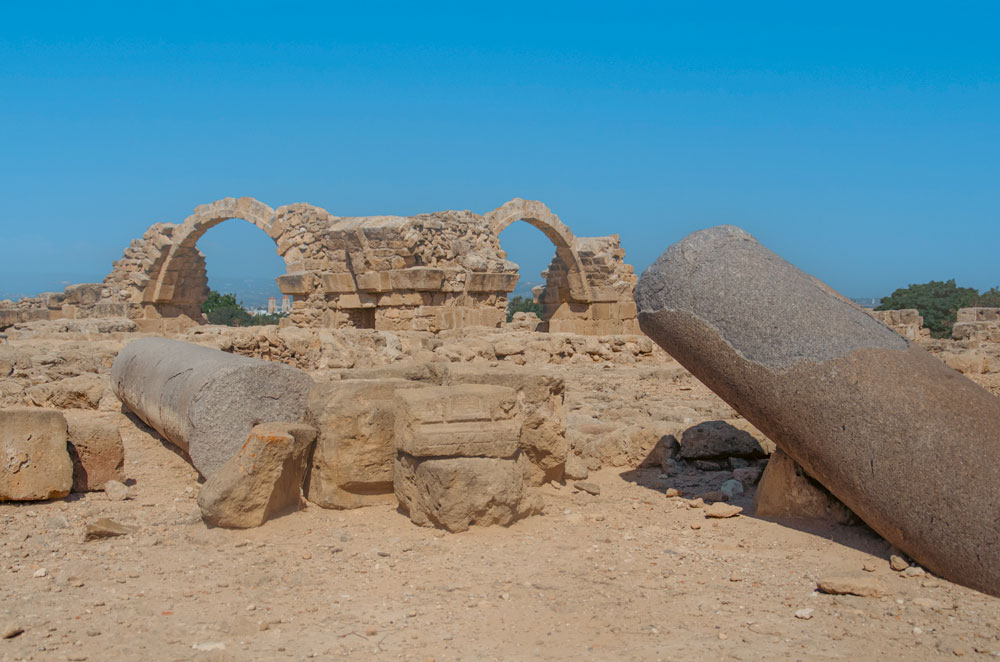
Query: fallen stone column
[
  {"x": 204, "y": 401},
  {"x": 903, "y": 440}
]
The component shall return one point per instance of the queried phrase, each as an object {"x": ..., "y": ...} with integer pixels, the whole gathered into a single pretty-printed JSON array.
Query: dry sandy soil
[{"x": 628, "y": 574}]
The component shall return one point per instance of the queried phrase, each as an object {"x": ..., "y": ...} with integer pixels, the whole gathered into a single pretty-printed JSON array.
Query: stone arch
[
  {"x": 537, "y": 214},
  {"x": 179, "y": 280}
]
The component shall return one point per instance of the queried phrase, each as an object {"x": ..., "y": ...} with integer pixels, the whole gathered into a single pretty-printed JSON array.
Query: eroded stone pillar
[{"x": 903, "y": 440}]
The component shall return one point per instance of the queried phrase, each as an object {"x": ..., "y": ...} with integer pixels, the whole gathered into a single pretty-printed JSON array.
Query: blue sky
[{"x": 859, "y": 141}]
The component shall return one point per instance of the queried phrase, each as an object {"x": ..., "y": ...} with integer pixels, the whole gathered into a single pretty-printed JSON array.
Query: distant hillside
[{"x": 867, "y": 302}]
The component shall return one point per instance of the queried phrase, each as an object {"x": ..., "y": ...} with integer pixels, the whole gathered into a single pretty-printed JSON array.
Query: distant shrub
[
  {"x": 225, "y": 310},
  {"x": 522, "y": 305},
  {"x": 937, "y": 301}
]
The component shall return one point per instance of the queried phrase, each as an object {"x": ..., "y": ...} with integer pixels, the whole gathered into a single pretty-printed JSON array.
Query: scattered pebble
[
  {"x": 897, "y": 563},
  {"x": 116, "y": 491},
  {"x": 589, "y": 488},
  {"x": 804, "y": 614}
]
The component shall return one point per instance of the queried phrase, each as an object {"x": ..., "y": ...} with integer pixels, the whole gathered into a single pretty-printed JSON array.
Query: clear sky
[{"x": 859, "y": 141}]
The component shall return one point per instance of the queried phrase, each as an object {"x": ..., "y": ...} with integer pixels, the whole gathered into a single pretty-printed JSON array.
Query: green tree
[
  {"x": 988, "y": 299},
  {"x": 225, "y": 310},
  {"x": 937, "y": 302},
  {"x": 215, "y": 301},
  {"x": 522, "y": 305}
]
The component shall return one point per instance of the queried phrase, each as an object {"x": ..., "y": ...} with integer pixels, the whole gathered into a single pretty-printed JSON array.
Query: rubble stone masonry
[{"x": 429, "y": 272}]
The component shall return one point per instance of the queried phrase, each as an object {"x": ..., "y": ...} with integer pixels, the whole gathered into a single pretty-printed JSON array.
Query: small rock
[
  {"x": 107, "y": 528},
  {"x": 748, "y": 475},
  {"x": 210, "y": 646},
  {"x": 720, "y": 510},
  {"x": 696, "y": 503},
  {"x": 735, "y": 577},
  {"x": 866, "y": 587},
  {"x": 673, "y": 492},
  {"x": 116, "y": 491},
  {"x": 869, "y": 567},
  {"x": 576, "y": 468},
  {"x": 804, "y": 614},
  {"x": 731, "y": 488},
  {"x": 41, "y": 572},
  {"x": 695, "y": 525},
  {"x": 897, "y": 563},
  {"x": 913, "y": 571},
  {"x": 589, "y": 488}
]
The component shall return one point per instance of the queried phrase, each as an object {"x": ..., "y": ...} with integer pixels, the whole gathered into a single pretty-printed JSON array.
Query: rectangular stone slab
[
  {"x": 472, "y": 420},
  {"x": 34, "y": 462}
]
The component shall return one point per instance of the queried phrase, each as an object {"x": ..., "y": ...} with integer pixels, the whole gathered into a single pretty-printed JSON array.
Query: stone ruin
[
  {"x": 906, "y": 322},
  {"x": 429, "y": 272},
  {"x": 452, "y": 445},
  {"x": 977, "y": 324}
]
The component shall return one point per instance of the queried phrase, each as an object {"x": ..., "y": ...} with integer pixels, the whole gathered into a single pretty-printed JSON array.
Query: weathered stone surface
[
  {"x": 891, "y": 431},
  {"x": 717, "y": 440},
  {"x": 472, "y": 420},
  {"x": 356, "y": 449},
  {"x": 95, "y": 445},
  {"x": 264, "y": 480},
  {"x": 540, "y": 398},
  {"x": 455, "y": 493},
  {"x": 79, "y": 392},
  {"x": 786, "y": 491},
  {"x": 34, "y": 462},
  {"x": 205, "y": 401}
]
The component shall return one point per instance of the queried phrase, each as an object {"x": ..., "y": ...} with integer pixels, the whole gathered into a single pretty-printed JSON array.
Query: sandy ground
[{"x": 626, "y": 575}]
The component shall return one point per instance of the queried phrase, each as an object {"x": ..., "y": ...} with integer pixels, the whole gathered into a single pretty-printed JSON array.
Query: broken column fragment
[
  {"x": 890, "y": 430},
  {"x": 205, "y": 401},
  {"x": 262, "y": 481}
]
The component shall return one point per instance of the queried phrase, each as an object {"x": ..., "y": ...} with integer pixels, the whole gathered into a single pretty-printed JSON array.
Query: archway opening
[
  {"x": 535, "y": 255},
  {"x": 241, "y": 260}
]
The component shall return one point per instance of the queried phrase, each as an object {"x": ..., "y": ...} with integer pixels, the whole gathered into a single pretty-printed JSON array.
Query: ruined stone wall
[
  {"x": 977, "y": 324},
  {"x": 428, "y": 272},
  {"x": 906, "y": 322},
  {"x": 425, "y": 273},
  {"x": 611, "y": 308}
]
